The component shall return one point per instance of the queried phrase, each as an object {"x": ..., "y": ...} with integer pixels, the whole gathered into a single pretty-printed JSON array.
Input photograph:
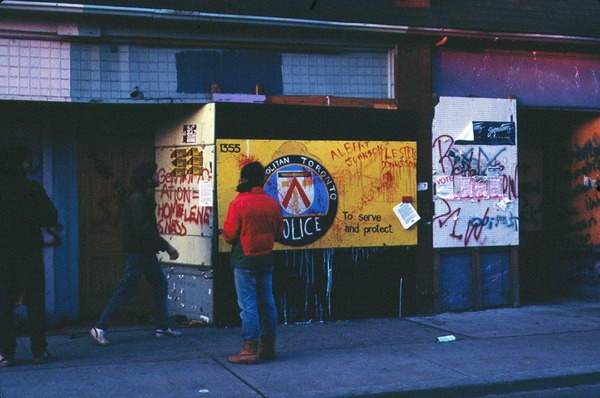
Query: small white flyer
[
  {"x": 407, "y": 214},
  {"x": 445, "y": 187},
  {"x": 495, "y": 187},
  {"x": 481, "y": 188},
  {"x": 188, "y": 134},
  {"x": 206, "y": 193},
  {"x": 466, "y": 185}
]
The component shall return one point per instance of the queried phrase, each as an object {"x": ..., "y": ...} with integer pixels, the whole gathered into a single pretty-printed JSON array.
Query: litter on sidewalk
[{"x": 445, "y": 339}]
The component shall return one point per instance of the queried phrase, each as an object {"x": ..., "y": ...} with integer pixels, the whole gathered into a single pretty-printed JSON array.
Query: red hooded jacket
[{"x": 256, "y": 220}]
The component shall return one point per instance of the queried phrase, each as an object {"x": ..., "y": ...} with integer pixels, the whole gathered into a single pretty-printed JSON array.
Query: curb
[{"x": 497, "y": 388}]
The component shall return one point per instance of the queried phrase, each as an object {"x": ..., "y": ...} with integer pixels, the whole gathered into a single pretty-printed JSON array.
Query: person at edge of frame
[
  {"x": 254, "y": 221},
  {"x": 142, "y": 242},
  {"x": 25, "y": 209}
]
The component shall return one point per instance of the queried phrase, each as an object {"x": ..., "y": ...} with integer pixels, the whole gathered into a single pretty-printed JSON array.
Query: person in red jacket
[{"x": 254, "y": 221}]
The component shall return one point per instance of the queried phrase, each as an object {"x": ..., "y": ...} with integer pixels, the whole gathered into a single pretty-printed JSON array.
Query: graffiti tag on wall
[
  {"x": 585, "y": 177},
  {"x": 178, "y": 210},
  {"x": 475, "y": 178}
]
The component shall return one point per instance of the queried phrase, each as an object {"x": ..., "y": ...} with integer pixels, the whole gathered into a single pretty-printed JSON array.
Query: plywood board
[
  {"x": 475, "y": 173},
  {"x": 333, "y": 193}
]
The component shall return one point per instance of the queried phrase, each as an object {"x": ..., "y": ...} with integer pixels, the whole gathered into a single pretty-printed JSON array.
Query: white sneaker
[
  {"x": 167, "y": 333},
  {"x": 98, "y": 335},
  {"x": 5, "y": 362}
]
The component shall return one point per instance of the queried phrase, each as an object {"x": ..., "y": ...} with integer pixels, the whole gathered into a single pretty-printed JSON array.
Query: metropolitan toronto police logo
[{"x": 308, "y": 197}]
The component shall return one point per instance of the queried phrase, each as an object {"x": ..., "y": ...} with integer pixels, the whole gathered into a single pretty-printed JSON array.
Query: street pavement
[{"x": 495, "y": 351}]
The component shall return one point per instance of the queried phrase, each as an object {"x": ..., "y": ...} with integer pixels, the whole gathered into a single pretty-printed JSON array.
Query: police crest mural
[{"x": 332, "y": 193}]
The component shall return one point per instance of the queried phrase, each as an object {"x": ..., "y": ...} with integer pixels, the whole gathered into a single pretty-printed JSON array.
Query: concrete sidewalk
[{"x": 495, "y": 351}]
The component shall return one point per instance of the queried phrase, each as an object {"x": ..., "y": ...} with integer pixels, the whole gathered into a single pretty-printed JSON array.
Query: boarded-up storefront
[
  {"x": 338, "y": 193},
  {"x": 475, "y": 171}
]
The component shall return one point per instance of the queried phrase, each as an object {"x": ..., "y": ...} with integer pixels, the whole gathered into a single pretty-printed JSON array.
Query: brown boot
[
  {"x": 248, "y": 355},
  {"x": 266, "y": 349}
]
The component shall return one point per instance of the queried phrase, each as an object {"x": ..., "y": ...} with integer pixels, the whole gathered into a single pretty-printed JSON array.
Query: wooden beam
[
  {"x": 413, "y": 3},
  {"x": 328, "y": 100}
]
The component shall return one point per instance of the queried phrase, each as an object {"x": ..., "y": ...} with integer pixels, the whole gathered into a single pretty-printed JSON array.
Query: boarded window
[{"x": 234, "y": 71}]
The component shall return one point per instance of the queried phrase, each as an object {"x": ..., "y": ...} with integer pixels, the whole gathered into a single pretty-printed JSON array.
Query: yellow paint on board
[{"x": 334, "y": 194}]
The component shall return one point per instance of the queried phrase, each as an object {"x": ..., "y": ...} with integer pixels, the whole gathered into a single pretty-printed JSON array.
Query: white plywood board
[
  {"x": 193, "y": 250},
  {"x": 472, "y": 207},
  {"x": 185, "y": 154},
  {"x": 193, "y": 128},
  {"x": 184, "y": 204}
]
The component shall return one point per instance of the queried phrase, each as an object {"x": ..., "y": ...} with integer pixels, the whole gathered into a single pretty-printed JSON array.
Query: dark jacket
[
  {"x": 140, "y": 230},
  {"x": 25, "y": 209}
]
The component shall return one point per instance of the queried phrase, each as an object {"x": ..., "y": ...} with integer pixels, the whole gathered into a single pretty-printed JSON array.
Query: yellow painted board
[{"x": 334, "y": 194}]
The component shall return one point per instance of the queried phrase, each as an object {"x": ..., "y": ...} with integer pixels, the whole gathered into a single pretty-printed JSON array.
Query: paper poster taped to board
[
  {"x": 332, "y": 193},
  {"x": 407, "y": 214}
]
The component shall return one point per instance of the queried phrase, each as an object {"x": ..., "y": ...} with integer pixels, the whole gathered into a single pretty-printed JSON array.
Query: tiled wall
[
  {"x": 347, "y": 75},
  {"x": 60, "y": 71},
  {"x": 34, "y": 69}
]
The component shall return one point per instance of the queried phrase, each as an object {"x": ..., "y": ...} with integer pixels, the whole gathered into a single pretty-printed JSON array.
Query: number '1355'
[{"x": 235, "y": 148}]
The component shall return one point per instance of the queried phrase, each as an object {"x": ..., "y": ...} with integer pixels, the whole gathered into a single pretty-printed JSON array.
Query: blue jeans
[
  {"x": 257, "y": 305},
  {"x": 136, "y": 266}
]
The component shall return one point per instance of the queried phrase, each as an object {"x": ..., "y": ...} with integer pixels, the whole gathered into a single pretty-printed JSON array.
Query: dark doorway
[
  {"x": 106, "y": 158},
  {"x": 546, "y": 249}
]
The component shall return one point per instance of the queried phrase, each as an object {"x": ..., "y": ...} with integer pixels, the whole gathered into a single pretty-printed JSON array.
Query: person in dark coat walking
[
  {"x": 25, "y": 209},
  {"x": 141, "y": 241}
]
